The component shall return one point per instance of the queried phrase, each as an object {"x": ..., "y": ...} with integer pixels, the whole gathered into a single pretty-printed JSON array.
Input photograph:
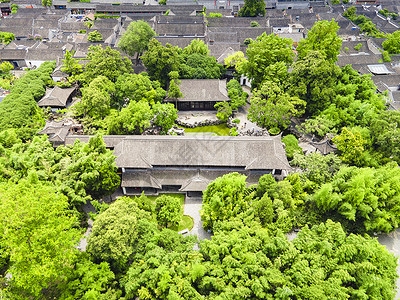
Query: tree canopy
[
  {"x": 272, "y": 108},
  {"x": 136, "y": 38},
  {"x": 323, "y": 38},
  {"x": 262, "y": 54},
  {"x": 252, "y": 8}
]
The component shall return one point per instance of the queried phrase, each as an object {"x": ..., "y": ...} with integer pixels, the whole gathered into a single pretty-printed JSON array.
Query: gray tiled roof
[
  {"x": 56, "y": 97},
  {"x": 251, "y": 153},
  {"x": 203, "y": 90},
  {"x": 389, "y": 80},
  {"x": 344, "y": 60},
  {"x": 181, "y": 42},
  {"x": 12, "y": 54}
]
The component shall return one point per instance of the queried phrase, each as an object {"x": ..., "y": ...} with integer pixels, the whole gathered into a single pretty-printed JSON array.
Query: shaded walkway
[{"x": 192, "y": 208}]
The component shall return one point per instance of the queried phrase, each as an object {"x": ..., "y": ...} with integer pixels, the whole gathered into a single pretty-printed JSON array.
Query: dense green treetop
[
  {"x": 96, "y": 99},
  {"x": 362, "y": 199},
  {"x": 116, "y": 233},
  {"x": 6, "y": 37},
  {"x": 19, "y": 110},
  {"x": 89, "y": 280},
  {"x": 71, "y": 65},
  {"x": 168, "y": 210},
  {"x": 78, "y": 171},
  {"x": 160, "y": 61},
  {"x": 263, "y": 52},
  {"x": 199, "y": 66},
  {"x": 136, "y": 38},
  {"x": 392, "y": 43},
  {"x": 38, "y": 233},
  {"x": 224, "y": 199},
  {"x": 252, "y": 8},
  {"x": 95, "y": 36},
  {"x": 196, "y": 46},
  {"x": 272, "y": 108},
  {"x": 323, "y": 38},
  {"x": 164, "y": 116},
  {"x": 136, "y": 87},
  {"x": 106, "y": 62}
]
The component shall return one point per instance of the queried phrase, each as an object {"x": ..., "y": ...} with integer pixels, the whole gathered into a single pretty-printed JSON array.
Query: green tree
[
  {"x": 71, "y": 65},
  {"x": 272, "y": 108},
  {"x": 320, "y": 263},
  {"x": 385, "y": 132},
  {"x": 224, "y": 199},
  {"x": 5, "y": 68},
  {"x": 89, "y": 281},
  {"x": 87, "y": 169},
  {"x": 19, "y": 110},
  {"x": 168, "y": 210},
  {"x": 116, "y": 233},
  {"x": 40, "y": 235},
  {"x": 236, "y": 94},
  {"x": 95, "y": 36},
  {"x": 6, "y": 37},
  {"x": 291, "y": 146},
  {"x": 351, "y": 146},
  {"x": 198, "y": 66},
  {"x": 106, "y": 62},
  {"x": 322, "y": 38},
  {"x": 46, "y": 3},
  {"x": 136, "y": 38},
  {"x": 164, "y": 116},
  {"x": 96, "y": 99},
  {"x": 137, "y": 87},
  {"x": 316, "y": 168},
  {"x": 174, "y": 274},
  {"x": 392, "y": 43},
  {"x": 252, "y": 8},
  {"x": 264, "y": 52},
  {"x": 160, "y": 61},
  {"x": 362, "y": 199},
  {"x": 132, "y": 119},
  {"x": 314, "y": 79},
  {"x": 174, "y": 92},
  {"x": 224, "y": 110},
  {"x": 196, "y": 46}
]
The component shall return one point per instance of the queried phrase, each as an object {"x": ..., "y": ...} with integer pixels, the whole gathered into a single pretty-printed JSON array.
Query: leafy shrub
[
  {"x": 214, "y": 15},
  {"x": 254, "y": 24},
  {"x": 237, "y": 121},
  {"x": 95, "y": 36},
  {"x": 274, "y": 131},
  {"x": 386, "y": 56},
  {"x": 358, "y": 46},
  {"x": 292, "y": 146}
]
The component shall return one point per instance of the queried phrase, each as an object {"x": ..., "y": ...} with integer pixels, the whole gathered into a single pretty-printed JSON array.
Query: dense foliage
[
  {"x": 252, "y": 8},
  {"x": 136, "y": 38},
  {"x": 19, "y": 110}
]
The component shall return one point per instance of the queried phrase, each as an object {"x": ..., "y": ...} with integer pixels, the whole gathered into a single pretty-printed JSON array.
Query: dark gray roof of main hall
[
  {"x": 251, "y": 153},
  {"x": 203, "y": 90}
]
